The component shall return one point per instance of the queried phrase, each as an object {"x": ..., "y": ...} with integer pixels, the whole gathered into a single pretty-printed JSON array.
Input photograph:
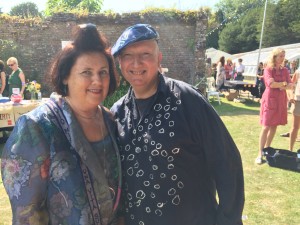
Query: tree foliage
[
  {"x": 243, "y": 23},
  {"x": 25, "y": 10},
  {"x": 91, "y": 6},
  {"x": 282, "y": 24},
  {"x": 240, "y": 36},
  {"x": 213, "y": 29},
  {"x": 229, "y": 39},
  {"x": 232, "y": 8}
]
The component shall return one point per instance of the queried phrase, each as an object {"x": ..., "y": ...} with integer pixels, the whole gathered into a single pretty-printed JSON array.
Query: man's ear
[
  {"x": 160, "y": 57},
  {"x": 119, "y": 61}
]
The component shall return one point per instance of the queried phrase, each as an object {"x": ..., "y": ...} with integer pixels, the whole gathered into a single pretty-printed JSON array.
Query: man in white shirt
[{"x": 240, "y": 68}]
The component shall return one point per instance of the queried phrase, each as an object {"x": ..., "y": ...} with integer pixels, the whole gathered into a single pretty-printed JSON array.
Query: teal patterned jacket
[{"x": 42, "y": 175}]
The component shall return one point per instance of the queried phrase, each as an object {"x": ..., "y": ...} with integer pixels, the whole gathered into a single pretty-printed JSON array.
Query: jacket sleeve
[
  {"x": 25, "y": 169},
  {"x": 223, "y": 161}
]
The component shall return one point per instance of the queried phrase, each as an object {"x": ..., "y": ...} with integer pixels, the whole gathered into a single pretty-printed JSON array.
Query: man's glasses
[{"x": 11, "y": 65}]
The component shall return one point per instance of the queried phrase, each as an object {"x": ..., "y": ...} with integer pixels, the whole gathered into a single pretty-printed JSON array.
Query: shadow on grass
[
  {"x": 1, "y": 148},
  {"x": 230, "y": 108},
  {"x": 5, "y": 134}
]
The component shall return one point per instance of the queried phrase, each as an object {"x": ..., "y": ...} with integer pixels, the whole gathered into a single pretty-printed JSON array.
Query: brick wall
[{"x": 181, "y": 42}]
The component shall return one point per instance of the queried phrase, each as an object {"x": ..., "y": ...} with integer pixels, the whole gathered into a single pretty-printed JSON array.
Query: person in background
[
  {"x": 3, "y": 79},
  {"x": 287, "y": 65},
  {"x": 214, "y": 70},
  {"x": 221, "y": 76},
  {"x": 293, "y": 67},
  {"x": 208, "y": 69},
  {"x": 233, "y": 71},
  {"x": 16, "y": 78},
  {"x": 260, "y": 84},
  {"x": 228, "y": 69},
  {"x": 61, "y": 163},
  {"x": 171, "y": 161},
  {"x": 273, "y": 109},
  {"x": 295, "y": 109},
  {"x": 240, "y": 69}
]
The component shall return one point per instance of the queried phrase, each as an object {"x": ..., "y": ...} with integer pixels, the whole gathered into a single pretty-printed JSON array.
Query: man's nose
[{"x": 136, "y": 60}]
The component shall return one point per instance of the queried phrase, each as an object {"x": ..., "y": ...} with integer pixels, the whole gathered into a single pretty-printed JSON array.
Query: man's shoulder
[
  {"x": 118, "y": 104},
  {"x": 181, "y": 86},
  {"x": 171, "y": 82},
  {"x": 186, "y": 91}
]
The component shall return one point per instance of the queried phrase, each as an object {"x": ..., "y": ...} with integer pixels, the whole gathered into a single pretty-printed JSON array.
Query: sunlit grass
[
  {"x": 5, "y": 210},
  {"x": 272, "y": 194}
]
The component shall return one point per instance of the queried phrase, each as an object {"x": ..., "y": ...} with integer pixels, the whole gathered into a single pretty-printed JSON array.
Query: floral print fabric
[{"x": 42, "y": 175}]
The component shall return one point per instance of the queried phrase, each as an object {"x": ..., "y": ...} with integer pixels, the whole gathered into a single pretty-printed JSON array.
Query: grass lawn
[
  {"x": 5, "y": 210},
  {"x": 272, "y": 194}
]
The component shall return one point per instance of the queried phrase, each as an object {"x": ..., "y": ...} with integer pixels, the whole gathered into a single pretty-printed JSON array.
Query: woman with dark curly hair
[
  {"x": 61, "y": 163},
  {"x": 221, "y": 75},
  {"x": 3, "y": 80}
]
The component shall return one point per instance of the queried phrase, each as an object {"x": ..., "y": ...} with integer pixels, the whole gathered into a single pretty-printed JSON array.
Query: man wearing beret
[{"x": 176, "y": 152}]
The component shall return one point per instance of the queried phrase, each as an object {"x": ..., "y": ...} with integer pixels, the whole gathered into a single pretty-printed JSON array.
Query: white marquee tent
[
  {"x": 250, "y": 59},
  {"x": 215, "y": 54}
]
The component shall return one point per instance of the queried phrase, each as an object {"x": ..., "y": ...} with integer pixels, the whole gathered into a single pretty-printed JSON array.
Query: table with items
[
  {"x": 10, "y": 111},
  {"x": 241, "y": 85}
]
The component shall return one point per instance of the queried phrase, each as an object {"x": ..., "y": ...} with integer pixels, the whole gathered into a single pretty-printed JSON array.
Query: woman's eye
[
  {"x": 104, "y": 73},
  {"x": 86, "y": 73}
]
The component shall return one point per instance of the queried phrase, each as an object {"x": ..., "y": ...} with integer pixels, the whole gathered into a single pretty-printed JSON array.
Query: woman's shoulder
[
  {"x": 106, "y": 112},
  {"x": 20, "y": 71}
]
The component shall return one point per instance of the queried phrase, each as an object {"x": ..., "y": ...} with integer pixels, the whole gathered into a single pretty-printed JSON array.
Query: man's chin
[{"x": 137, "y": 84}]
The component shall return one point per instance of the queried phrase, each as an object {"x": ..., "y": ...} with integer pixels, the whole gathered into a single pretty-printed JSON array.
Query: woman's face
[
  {"x": 12, "y": 65},
  {"x": 88, "y": 81},
  {"x": 280, "y": 58}
]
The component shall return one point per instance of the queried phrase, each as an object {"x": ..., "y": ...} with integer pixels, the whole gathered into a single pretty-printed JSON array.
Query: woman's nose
[{"x": 97, "y": 78}]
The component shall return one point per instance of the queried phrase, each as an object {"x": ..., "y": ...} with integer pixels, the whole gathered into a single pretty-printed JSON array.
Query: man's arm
[
  {"x": 223, "y": 162},
  {"x": 22, "y": 78}
]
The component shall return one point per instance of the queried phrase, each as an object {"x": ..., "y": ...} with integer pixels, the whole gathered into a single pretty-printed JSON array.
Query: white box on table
[{"x": 7, "y": 118}]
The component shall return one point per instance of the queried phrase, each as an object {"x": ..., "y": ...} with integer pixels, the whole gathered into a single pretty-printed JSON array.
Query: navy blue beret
[{"x": 133, "y": 34}]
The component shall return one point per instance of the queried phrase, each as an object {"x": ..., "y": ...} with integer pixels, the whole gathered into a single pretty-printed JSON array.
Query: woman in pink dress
[
  {"x": 228, "y": 69},
  {"x": 273, "y": 110}
]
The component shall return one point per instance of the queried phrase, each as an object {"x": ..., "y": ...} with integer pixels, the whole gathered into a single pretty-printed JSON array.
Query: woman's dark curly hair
[
  {"x": 1, "y": 66},
  {"x": 87, "y": 39}
]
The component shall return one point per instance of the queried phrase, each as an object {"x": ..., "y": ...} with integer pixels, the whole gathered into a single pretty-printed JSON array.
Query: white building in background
[{"x": 292, "y": 52}]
